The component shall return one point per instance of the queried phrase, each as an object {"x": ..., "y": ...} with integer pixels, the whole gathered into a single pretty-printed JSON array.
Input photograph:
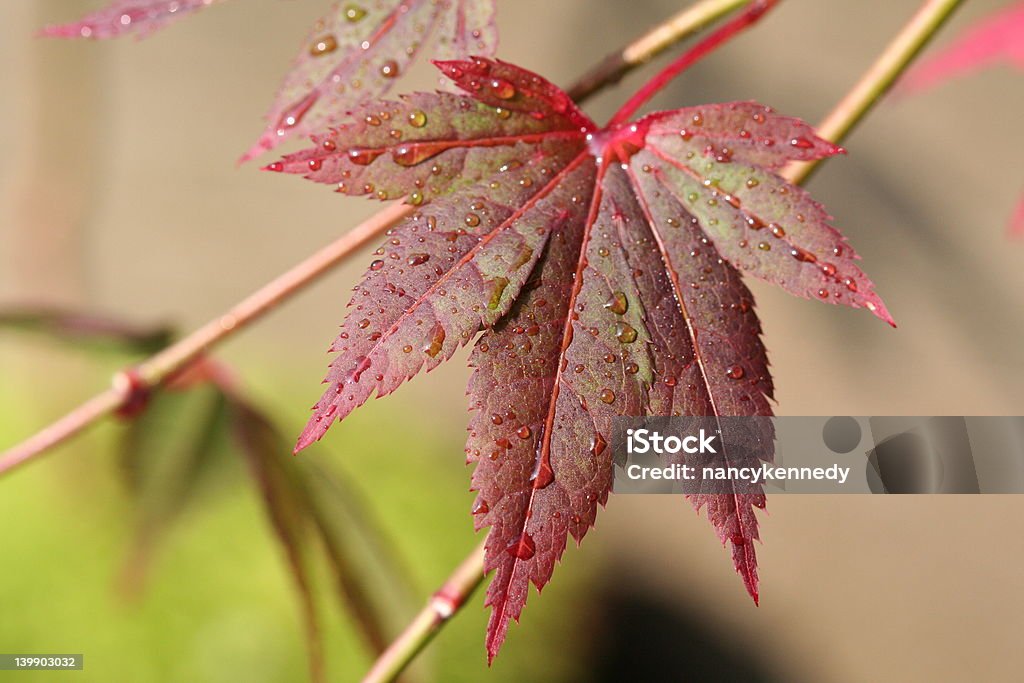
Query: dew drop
[
  {"x": 363, "y": 157},
  {"x": 803, "y": 255},
  {"x": 502, "y": 89},
  {"x": 617, "y": 304},
  {"x": 377, "y": 264},
  {"x": 523, "y": 432},
  {"x": 435, "y": 342},
  {"x": 354, "y": 13},
  {"x": 480, "y": 507},
  {"x": 735, "y": 372},
  {"x": 607, "y": 396},
  {"x": 625, "y": 333},
  {"x": 524, "y": 548},
  {"x": 418, "y": 259},
  {"x": 323, "y": 45},
  {"x": 472, "y": 220},
  {"x": 389, "y": 69}
]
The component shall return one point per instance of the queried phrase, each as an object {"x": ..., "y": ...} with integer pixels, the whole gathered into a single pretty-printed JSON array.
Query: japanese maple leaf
[
  {"x": 139, "y": 17},
  {"x": 602, "y": 266},
  {"x": 998, "y": 38},
  {"x": 355, "y": 53}
]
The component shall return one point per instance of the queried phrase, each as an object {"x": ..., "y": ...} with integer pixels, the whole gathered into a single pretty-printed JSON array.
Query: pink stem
[{"x": 687, "y": 59}]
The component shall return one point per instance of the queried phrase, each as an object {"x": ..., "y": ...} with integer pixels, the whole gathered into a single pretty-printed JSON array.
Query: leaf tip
[
  {"x": 63, "y": 31},
  {"x": 308, "y": 437},
  {"x": 264, "y": 144},
  {"x": 880, "y": 311}
]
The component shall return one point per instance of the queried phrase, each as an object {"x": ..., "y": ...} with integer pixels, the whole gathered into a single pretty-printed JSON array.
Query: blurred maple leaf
[{"x": 996, "y": 39}]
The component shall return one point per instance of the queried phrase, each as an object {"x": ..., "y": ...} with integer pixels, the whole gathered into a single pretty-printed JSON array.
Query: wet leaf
[
  {"x": 358, "y": 50},
  {"x": 602, "y": 266}
]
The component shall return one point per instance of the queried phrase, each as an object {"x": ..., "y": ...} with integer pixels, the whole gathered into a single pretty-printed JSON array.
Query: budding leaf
[{"x": 601, "y": 265}]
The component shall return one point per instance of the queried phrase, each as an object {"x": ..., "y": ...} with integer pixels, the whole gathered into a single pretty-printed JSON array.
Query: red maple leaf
[
  {"x": 602, "y": 266},
  {"x": 356, "y": 52}
]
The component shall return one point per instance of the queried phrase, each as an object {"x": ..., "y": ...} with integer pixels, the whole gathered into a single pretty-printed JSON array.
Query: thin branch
[
  {"x": 442, "y": 607},
  {"x": 663, "y": 36},
  {"x": 879, "y": 78},
  {"x": 164, "y": 365}
]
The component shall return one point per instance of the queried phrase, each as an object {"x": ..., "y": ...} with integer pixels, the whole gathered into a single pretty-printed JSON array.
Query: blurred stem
[
  {"x": 879, "y": 78},
  {"x": 442, "y": 606},
  {"x": 663, "y": 36}
]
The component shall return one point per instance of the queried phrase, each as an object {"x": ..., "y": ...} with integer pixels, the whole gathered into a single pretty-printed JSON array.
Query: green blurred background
[{"x": 119, "y": 194}]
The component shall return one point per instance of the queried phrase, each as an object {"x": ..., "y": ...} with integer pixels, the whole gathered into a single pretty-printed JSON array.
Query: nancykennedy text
[{"x": 750, "y": 475}]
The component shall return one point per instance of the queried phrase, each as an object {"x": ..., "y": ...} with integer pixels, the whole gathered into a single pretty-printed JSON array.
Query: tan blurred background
[{"x": 119, "y": 193}]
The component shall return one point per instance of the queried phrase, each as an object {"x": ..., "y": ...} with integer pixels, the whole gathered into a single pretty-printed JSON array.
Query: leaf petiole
[{"x": 720, "y": 36}]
